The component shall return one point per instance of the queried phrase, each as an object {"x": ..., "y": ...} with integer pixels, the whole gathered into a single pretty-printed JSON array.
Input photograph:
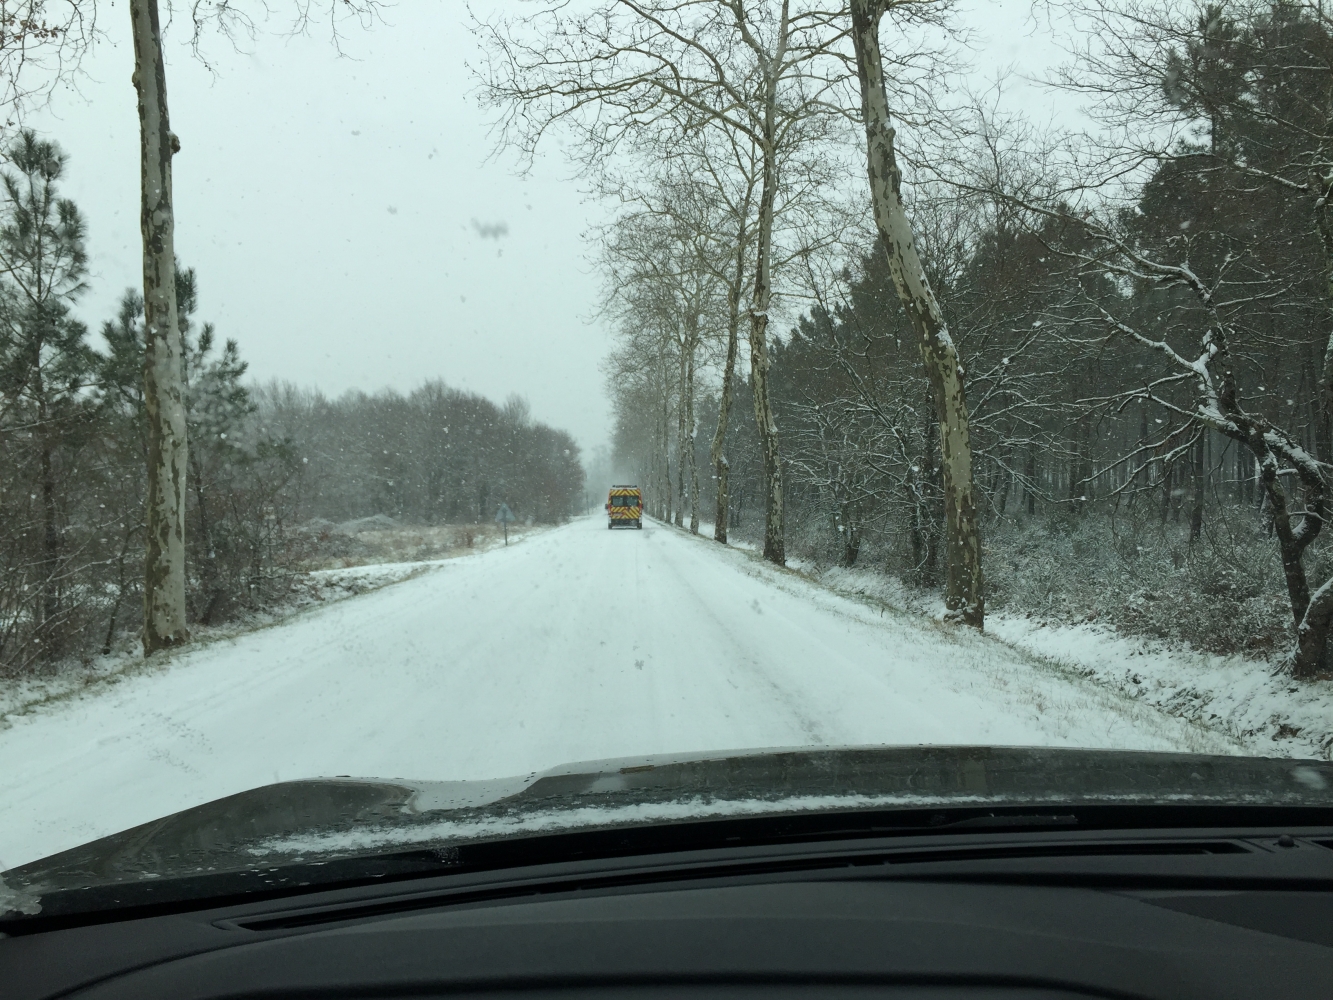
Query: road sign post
[{"x": 503, "y": 516}]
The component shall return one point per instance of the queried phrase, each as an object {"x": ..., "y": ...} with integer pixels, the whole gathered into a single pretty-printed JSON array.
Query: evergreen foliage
[
  {"x": 1154, "y": 507},
  {"x": 266, "y": 468}
]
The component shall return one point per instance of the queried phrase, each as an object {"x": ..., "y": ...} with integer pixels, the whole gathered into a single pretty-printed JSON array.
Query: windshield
[{"x": 953, "y": 375}]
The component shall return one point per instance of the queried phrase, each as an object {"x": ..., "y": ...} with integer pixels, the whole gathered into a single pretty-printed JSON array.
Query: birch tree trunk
[
  {"x": 718, "y": 454},
  {"x": 963, "y": 589},
  {"x": 681, "y": 443},
  {"x": 164, "y": 568},
  {"x": 687, "y": 468},
  {"x": 690, "y": 435},
  {"x": 666, "y": 455},
  {"x": 775, "y": 547}
]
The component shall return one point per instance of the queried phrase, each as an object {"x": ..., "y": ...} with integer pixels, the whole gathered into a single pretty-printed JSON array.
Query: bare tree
[
  {"x": 717, "y": 449},
  {"x": 164, "y": 377},
  {"x": 760, "y": 70},
  {"x": 37, "y": 55},
  {"x": 40, "y": 49},
  {"x": 1219, "y": 405},
  {"x": 643, "y": 388},
  {"x": 660, "y": 279},
  {"x": 1119, "y": 292},
  {"x": 1225, "y": 111},
  {"x": 724, "y": 170},
  {"x": 963, "y": 592}
]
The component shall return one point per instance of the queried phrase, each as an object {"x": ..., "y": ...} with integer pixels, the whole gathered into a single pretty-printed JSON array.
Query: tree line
[
  {"x": 75, "y": 445},
  {"x": 1095, "y": 356},
  {"x": 437, "y": 455},
  {"x": 43, "y": 49}
]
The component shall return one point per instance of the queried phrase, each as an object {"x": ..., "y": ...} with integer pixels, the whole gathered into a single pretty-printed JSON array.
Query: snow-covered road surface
[{"x": 580, "y": 643}]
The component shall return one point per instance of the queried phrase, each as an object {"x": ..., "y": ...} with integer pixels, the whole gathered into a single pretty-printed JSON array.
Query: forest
[
  {"x": 865, "y": 316},
  {"x": 270, "y": 467},
  {"x": 1079, "y": 373}
]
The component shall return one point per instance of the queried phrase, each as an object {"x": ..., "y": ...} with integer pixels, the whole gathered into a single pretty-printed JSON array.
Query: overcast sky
[{"x": 346, "y": 224}]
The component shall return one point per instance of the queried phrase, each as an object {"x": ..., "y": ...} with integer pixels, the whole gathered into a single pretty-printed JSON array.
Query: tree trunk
[
  {"x": 718, "y": 454},
  {"x": 1167, "y": 472},
  {"x": 915, "y": 533},
  {"x": 208, "y": 572},
  {"x": 126, "y": 538},
  {"x": 1241, "y": 473},
  {"x": 690, "y": 441},
  {"x": 1032, "y": 480},
  {"x": 1200, "y": 488},
  {"x": 1290, "y": 547},
  {"x": 721, "y": 466},
  {"x": 49, "y": 629},
  {"x": 963, "y": 591},
  {"x": 682, "y": 429},
  {"x": 666, "y": 459},
  {"x": 1322, "y": 186},
  {"x": 1312, "y": 617},
  {"x": 1079, "y": 487},
  {"x": 164, "y": 397},
  {"x": 1310, "y": 657},
  {"x": 927, "y": 509},
  {"x": 775, "y": 545},
  {"x": 851, "y": 536}
]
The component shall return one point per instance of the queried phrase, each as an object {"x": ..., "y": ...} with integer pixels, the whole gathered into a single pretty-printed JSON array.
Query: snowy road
[{"x": 577, "y": 644}]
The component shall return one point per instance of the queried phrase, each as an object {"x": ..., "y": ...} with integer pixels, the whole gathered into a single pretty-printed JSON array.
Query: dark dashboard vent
[
  {"x": 1148, "y": 848},
  {"x": 484, "y": 894}
]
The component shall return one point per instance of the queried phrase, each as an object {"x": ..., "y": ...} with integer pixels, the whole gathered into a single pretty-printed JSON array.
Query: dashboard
[{"x": 1176, "y": 914}]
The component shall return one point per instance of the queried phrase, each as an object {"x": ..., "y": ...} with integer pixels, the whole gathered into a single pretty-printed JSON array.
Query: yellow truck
[{"x": 624, "y": 507}]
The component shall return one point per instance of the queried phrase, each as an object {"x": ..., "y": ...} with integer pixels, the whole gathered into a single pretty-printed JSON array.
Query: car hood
[{"x": 318, "y": 821}]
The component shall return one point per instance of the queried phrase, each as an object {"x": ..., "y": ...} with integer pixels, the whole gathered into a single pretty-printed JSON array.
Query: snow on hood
[{"x": 311, "y": 821}]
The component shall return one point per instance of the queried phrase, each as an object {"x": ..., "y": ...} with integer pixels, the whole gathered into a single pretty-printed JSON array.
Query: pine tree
[
  {"x": 217, "y": 408},
  {"x": 46, "y": 365}
]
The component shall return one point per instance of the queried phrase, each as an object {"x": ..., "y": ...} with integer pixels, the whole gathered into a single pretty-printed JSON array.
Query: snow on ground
[
  {"x": 1259, "y": 707},
  {"x": 1271, "y": 714},
  {"x": 579, "y": 644},
  {"x": 309, "y": 590}
]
